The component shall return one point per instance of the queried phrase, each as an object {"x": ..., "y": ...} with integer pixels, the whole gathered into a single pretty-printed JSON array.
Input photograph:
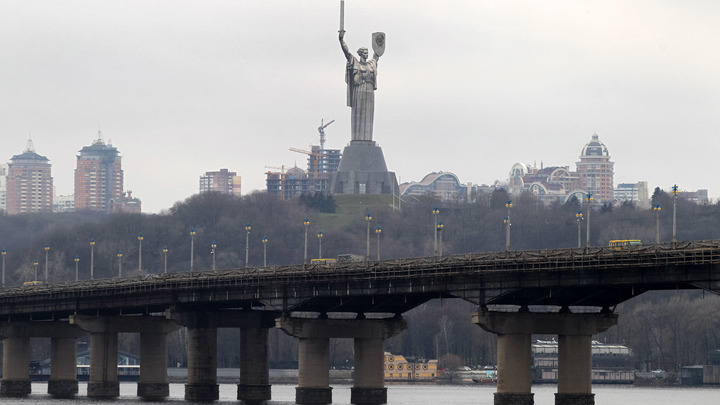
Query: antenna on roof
[
  {"x": 99, "y": 140},
  {"x": 30, "y": 146}
]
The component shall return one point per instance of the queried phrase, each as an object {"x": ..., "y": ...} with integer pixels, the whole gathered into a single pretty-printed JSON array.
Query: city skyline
[{"x": 467, "y": 87}]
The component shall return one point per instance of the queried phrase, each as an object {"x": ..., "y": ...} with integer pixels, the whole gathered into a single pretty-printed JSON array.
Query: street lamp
[
  {"x": 579, "y": 219},
  {"x": 77, "y": 273},
  {"x": 508, "y": 205},
  {"x": 320, "y": 236},
  {"x": 247, "y": 243},
  {"x": 306, "y": 223},
  {"x": 675, "y": 193},
  {"x": 587, "y": 236},
  {"x": 140, "y": 239},
  {"x": 265, "y": 241},
  {"x": 435, "y": 212},
  {"x": 213, "y": 245},
  {"x": 35, "y": 264},
  {"x": 368, "y": 218},
  {"x": 657, "y": 209},
  {"x": 47, "y": 249},
  {"x": 119, "y": 255},
  {"x": 92, "y": 258},
  {"x": 440, "y": 227},
  {"x": 165, "y": 252},
  {"x": 378, "y": 231},
  {"x": 3, "y": 267},
  {"x": 192, "y": 248}
]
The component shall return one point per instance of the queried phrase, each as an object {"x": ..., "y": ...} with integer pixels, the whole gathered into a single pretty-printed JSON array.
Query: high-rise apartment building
[
  {"x": 98, "y": 176},
  {"x": 29, "y": 183},
  {"x": 3, "y": 187},
  {"x": 222, "y": 181},
  {"x": 595, "y": 170}
]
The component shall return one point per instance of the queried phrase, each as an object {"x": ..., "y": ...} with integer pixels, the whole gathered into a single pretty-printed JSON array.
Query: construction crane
[
  {"x": 321, "y": 129},
  {"x": 314, "y": 157}
]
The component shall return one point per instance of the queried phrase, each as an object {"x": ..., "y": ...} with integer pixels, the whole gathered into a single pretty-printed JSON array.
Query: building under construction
[{"x": 321, "y": 164}]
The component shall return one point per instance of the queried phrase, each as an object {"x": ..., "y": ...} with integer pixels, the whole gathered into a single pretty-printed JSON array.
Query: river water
[{"x": 408, "y": 395}]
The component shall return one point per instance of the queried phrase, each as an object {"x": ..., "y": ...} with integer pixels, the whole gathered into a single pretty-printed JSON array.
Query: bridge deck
[{"x": 590, "y": 277}]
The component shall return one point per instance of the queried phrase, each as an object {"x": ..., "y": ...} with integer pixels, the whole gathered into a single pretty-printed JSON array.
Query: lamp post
[
  {"x": 306, "y": 223},
  {"x": 119, "y": 255},
  {"x": 140, "y": 239},
  {"x": 657, "y": 209},
  {"x": 165, "y": 252},
  {"x": 435, "y": 212},
  {"x": 77, "y": 273},
  {"x": 508, "y": 205},
  {"x": 265, "y": 241},
  {"x": 247, "y": 243},
  {"x": 368, "y": 218},
  {"x": 213, "y": 245},
  {"x": 675, "y": 193},
  {"x": 3, "y": 267},
  {"x": 378, "y": 231},
  {"x": 579, "y": 219},
  {"x": 320, "y": 236},
  {"x": 92, "y": 258},
  {"x": 35, "y": 264},
  {"x": 587, "y": 236},
  {"x": 192, "y": 249},
  {"x": 47, "y": 249},
  {"x": 440, "y": 227}
]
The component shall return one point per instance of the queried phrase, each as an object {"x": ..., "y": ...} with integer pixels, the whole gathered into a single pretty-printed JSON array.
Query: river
[{"x": 411, "y": 395}]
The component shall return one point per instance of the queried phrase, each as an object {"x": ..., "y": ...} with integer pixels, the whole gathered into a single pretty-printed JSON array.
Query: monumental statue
[
  {"x": 362, "y": 168},
  {"x": 361, "y": 79}
]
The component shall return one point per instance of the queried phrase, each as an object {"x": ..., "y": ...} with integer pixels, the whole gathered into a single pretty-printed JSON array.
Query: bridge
[{"x": 568, "y": 292}]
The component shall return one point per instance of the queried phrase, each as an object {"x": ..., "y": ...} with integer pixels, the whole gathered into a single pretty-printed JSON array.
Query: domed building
[
  {"x": 289, "y": 184},
  {"x": 595, "y": 170}
]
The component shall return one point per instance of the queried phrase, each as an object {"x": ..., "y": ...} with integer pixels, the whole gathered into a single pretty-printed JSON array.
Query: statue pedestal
[{"x": 362, "y": 170}]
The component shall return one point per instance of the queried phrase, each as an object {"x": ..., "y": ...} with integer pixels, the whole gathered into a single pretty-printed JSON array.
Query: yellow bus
[
  {"x": 620, "y": 244},
  {"x": 323, "y": 262}
]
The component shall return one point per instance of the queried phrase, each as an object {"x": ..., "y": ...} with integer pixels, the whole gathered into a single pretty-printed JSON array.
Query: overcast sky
[{"x": 182, "y": 87}]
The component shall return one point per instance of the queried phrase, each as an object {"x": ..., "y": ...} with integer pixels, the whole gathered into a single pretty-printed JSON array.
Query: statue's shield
[{"x": 378, "y": 43}]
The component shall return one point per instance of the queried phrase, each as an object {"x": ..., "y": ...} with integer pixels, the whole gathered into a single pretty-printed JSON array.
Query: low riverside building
[
  {"x": 611, "y": 364},
  {"x": 398, "y": 368}
]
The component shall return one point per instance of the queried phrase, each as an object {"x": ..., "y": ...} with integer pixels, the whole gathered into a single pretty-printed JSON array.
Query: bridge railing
[{"x": 687, "y": 253}]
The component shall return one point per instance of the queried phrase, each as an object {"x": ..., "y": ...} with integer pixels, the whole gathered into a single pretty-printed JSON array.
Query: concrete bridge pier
[
  {"x": 153, "y": 330},
  {"x": 574, "y": 370},
  {"x": 313, "y": 371},
  {"x": 254, "y": 385},
  {"x": 202, "y": 383},
  {"x": 16, "y": 367},
  {"x": 369, "y": 384},
  {"x": 16, "y": 357},
  {"x": 103, "y": 381},
  {"x": 63, "y": 381},
  {"x": 514, "y": 356},
  {"x": 314, "y": 356},
  {"x": 575, "y": 332},
  {"x": 153, "y": 384}
]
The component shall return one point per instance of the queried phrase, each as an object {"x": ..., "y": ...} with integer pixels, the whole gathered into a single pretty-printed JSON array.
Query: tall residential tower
[
  {"x": 98, "y": 176},
  {"x": 29, "y": 183}
]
